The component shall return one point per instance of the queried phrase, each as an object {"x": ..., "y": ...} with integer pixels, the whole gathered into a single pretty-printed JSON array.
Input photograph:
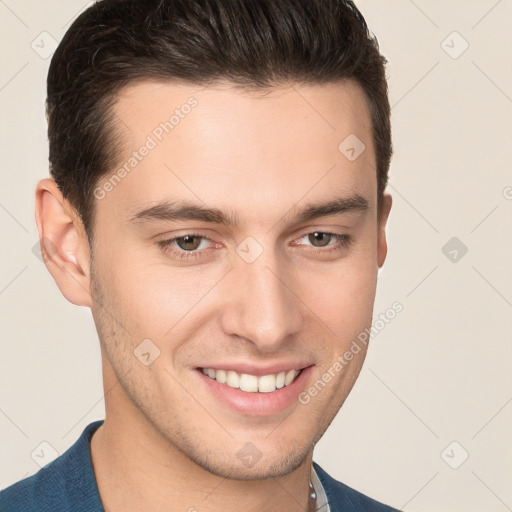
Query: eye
[
  {"x": 188, "y": 245},
  {"x": 193, "y": 245},
  {"x": 334, "y": 241},
  {"x": 189, "y": 242},
  {"x": 322, "y": 239}
]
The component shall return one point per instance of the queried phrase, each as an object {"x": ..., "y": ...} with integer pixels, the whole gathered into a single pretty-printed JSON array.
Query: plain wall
[{"x": 438, "y": 373}]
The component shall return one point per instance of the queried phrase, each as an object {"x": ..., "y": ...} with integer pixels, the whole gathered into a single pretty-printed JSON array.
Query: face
[{"x": 235, "y": 261}]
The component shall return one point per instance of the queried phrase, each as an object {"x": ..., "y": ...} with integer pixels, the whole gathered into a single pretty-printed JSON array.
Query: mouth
[
  {"x": 253, "y": 383},
  {"x": 255, "y": 392}
]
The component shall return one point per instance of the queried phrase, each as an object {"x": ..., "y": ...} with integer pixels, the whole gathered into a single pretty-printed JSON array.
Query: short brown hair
[{"x": 250, "y": 43}]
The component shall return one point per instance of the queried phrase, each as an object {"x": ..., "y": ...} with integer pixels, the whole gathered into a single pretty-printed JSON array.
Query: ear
[
  {"x": 382, "y": 244},
  {"x": 64, "y": 244}
]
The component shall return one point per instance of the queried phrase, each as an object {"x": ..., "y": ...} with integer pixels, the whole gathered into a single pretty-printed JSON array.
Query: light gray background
[{"x": 438, "y": 373}]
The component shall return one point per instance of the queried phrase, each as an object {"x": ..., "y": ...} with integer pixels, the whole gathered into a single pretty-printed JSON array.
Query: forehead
[
  {"x": 223, "y": 146},
  {"x": 310, "y": 111}
]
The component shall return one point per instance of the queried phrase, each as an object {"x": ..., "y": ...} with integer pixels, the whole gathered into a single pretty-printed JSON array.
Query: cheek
[
  {"x": 155, "y": 298},
  {"x": 342, "y": 296}
]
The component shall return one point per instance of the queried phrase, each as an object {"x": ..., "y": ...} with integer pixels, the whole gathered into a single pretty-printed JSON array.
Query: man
[{"x": 218, "y": 201}]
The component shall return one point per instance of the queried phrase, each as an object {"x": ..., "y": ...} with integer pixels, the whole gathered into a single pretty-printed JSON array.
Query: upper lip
[{"x": 258, "y": 370}]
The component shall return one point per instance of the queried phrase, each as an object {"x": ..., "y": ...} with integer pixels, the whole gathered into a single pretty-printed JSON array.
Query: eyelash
[{"x": 342, "y": 242}]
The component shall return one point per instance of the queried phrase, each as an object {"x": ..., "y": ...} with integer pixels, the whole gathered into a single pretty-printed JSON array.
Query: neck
[{"x": 136, "y": 468}]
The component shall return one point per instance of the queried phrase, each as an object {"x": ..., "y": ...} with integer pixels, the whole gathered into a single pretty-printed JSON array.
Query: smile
[{"x": 252, "y": 383}]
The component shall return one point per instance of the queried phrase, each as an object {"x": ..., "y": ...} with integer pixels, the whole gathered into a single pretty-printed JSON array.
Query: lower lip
[{"x": 257, "y": 404}]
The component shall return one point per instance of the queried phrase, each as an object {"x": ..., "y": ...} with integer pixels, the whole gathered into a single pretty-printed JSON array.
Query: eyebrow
[{"x": 181, "y": 210}]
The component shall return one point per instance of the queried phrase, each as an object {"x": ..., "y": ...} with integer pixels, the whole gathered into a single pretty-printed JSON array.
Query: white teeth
[
  {"x": 233, "y": 379},
  {"x": 252, "y": 383},
  {"x": 280, "y": 380},
  {"x": 290, "y": 376},
  {"x": 221, "y": 376},
  {"x": 248, "y": 383},
  {"x": 267, "y": 383}
]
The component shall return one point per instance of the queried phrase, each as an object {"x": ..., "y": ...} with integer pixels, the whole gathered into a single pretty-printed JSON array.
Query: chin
[{"x": 252, "y": 464}]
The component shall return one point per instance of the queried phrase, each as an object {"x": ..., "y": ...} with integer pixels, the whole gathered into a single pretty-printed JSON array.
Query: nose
[{"x": 260, "y": 304}]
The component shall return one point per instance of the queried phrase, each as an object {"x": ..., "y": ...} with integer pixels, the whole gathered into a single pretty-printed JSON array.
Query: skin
[{"x": 166, "y": 439}]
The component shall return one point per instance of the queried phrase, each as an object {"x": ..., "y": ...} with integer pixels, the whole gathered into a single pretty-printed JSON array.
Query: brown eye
[
  {"x": 188, "y": 242},
  {"x": 319, "y": 239},
  {"x": 325, "y": 242},
  {"x": 189, "y": 246}
]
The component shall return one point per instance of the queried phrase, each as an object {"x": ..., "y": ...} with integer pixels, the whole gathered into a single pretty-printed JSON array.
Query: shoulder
[
  {"x": 344, "y": 498},
  {"x": 66, "y": 484}
]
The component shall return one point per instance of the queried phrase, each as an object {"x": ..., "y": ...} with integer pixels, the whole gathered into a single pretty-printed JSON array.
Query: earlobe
[
  {"x": 64, "y": 244},
  {"x": 382, "y": 245}
]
